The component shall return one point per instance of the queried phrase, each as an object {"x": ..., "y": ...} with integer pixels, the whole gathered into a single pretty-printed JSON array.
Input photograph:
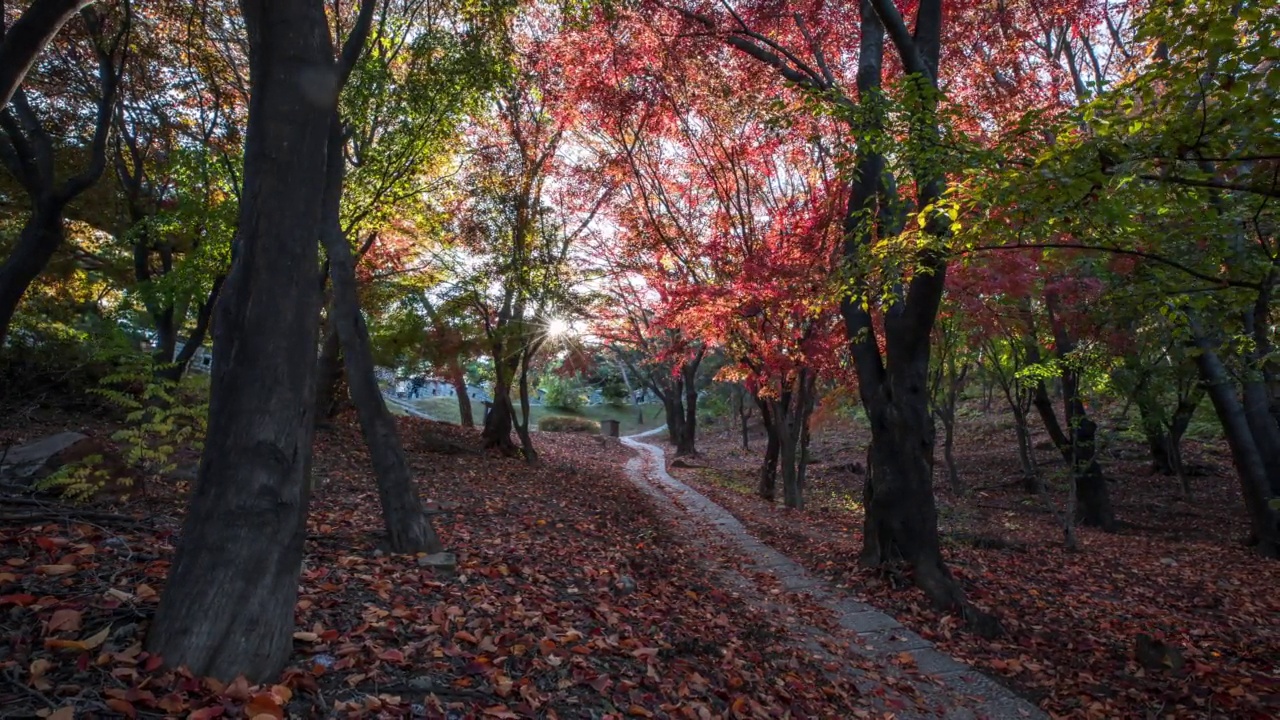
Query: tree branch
[{"x": 1217, "y": 281}]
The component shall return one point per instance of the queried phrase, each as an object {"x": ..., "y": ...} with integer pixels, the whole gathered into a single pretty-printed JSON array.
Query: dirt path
[{"x": 883, "y": 657}]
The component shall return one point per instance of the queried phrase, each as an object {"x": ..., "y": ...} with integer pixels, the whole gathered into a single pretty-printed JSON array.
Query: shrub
[
  {"x": 562, "y": 393},
  {"x": 566, "y": 423}
]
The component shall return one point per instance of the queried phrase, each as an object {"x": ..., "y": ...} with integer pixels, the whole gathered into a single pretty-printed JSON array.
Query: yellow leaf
[{"x": 97, "y": 638}]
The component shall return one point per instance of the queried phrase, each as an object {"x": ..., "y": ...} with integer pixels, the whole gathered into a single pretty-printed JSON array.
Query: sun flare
[{"x": 557, "y": 327}]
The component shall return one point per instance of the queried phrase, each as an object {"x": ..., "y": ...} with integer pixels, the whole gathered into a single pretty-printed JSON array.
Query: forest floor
[
  {"x": 573, "y": 598},
  {"x": 1177, "y": 570}
]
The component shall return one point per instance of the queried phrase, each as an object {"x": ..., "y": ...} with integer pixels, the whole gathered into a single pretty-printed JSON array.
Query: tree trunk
[
  {"x": 1264, "y": 519},
  {"x": 673, "y": 406},
  {"x": 194, "y": 341},
  {"x": 949, "y": 455},
  {"x": 459, "y": 381},
  {"x": 408, "y": 527},
  {"x": 1026, "y": 451},
  {"x": 522, "y": 426},
  {"x": 329, "y": 370},
  {"x": 768, "y": 486},
  {"x": 901, "y": 522},
  {"x": 228, "y": 606},
  {"x": 498, "y": 420},
  {"x": 41, "y": 237},
  {"x": 744, "y": 416},
  {"x": 1079, "y": 451},
  {"x": 686, "y": 440}
]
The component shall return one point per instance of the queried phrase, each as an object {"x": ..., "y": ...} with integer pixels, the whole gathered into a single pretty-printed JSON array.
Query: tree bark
[
  {"x": 522, "y": 425},
  {"x": 459, "y": 381},
  {"x": 28, "y": 36},
  {"x": 408, "y": 527},
  {"x": 195, "y": 340},
  {"x": 1081, "y": 450},
  {"x": 768, "y": 486},
  {"x": 1264, "y": 519},
  {"x": 686, "y": 440},
  {"x": 228, "y": 606},
  {"x": 499, "y": 420},
  {"x": 29, "y": 153},
  {"x": 41, "y": 237},
  {"x": 329, "y": 369}
]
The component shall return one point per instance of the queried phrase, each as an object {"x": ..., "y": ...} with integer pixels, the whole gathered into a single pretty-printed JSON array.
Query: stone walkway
[{"x": 949, "y": 688}]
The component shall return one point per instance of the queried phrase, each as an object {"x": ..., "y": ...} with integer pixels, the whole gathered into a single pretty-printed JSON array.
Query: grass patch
[{"x": 445, "y": 409}]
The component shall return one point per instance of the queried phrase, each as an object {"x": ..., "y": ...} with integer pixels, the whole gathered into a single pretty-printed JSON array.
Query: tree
[
  {"x": 227, "y": 609},
  {"x": 1170, "y": 165},
  {"x": 22, "y": 43},
  {"x": 30, "y": 153},
  {"x": 521, "y": 218}
]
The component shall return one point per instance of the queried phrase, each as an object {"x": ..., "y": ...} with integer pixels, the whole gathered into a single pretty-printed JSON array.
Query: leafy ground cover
[
  {"x": 1177, "y": 571},
  {"x": 570, "y": 601}
]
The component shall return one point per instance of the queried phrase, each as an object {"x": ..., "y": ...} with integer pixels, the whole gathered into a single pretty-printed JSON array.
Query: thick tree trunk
[
  {"x": 228, "y": 606},
  {"x": 673, "y": 407},
  {"x": 498, "y": 422},
  {"x": 408, "y": 527},
  {"x": 901, "y": 522},
  {"x": 1264, "y": 519},
  {"x": 459, "y": 381},
  {"x": 41, "y": 237}
]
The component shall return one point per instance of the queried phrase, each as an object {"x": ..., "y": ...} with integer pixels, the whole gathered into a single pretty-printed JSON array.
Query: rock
[
  {"x": 442, "y": 561},
  {"x": 625, "y": 585},
  {"x": 25, "y": 464},
  {"x": 28, "y": 464}
]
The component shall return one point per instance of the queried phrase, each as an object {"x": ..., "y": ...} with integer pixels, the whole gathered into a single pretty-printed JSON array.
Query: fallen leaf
[
  {"x": 56, "y": 570},
  {"x": 265, "y": 704},
  {"x": 65, "y": 620},
  {"x": 123, "y": 707}
]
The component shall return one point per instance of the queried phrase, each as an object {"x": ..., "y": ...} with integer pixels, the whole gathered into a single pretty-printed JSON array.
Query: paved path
[
  {"x": 951, "y": 688},
  {"x": 406, "y": 407}
]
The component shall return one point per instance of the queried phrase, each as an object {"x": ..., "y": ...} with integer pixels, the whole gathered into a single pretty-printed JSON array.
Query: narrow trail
[{"x": 870, "y": 647}]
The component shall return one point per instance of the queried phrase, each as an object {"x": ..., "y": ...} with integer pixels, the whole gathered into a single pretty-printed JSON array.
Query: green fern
[
  {"x": 78, "y": 482},
  {"x": 160, "y": 416}
]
